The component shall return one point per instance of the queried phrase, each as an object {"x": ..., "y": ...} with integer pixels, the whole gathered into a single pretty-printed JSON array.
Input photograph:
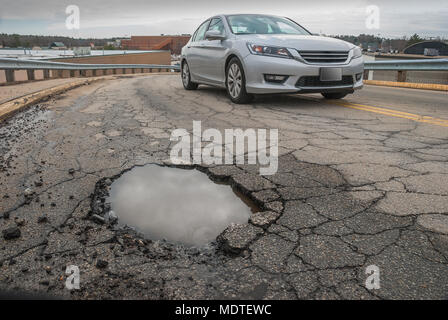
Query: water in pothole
[{"x": 178, "y": 205}]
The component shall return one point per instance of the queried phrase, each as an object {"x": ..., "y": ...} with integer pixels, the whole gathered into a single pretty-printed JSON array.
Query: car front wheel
[
  {"x": 186, "y": 77},
  {"x": 236, "y": 83}
]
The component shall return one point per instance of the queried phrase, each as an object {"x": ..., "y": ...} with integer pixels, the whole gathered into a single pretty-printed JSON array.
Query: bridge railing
[
  {"x": 62, "y": 69},
  {"x": 403, "y": 66}
]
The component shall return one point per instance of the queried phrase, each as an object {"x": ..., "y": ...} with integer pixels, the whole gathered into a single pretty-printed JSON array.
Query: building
[
  {"x": 58, "y": 46},
  {"x": 372, "y": 47},
  {"x": 81, "y": 51},
  {"x": 163, "y": 42},
  {"x": 419, "y": 48},
  {"x": 393, "y": 45},
  {"x": 115, "y": 43}
]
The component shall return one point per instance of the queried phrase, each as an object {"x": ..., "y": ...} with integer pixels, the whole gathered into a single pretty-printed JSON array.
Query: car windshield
[{"x": 261, "y": 24}]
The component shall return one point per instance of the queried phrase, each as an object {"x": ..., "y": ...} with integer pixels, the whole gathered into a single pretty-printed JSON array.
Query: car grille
[
  {"x": 324, "y": 56},
  {"x": 314, "y": 81}
]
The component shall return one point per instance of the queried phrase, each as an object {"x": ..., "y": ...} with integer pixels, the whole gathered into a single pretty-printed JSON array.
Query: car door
[
  {"x": 195, "y": 54},
  {"x": 213, "y": 54}
]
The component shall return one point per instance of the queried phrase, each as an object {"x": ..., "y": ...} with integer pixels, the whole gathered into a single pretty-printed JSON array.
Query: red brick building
[{"x": 172, "y": 43}]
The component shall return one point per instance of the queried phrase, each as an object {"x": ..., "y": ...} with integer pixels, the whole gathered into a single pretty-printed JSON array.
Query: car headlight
[
  {"x": 269, "y": 51},
  {"x": 357, "y": 52}
]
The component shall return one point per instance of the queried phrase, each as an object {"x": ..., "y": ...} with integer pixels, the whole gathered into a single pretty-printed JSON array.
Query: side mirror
[{"x": 214, "y": 35}]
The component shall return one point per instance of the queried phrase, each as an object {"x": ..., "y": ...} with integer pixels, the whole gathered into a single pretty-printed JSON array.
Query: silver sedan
[{"x": 261, "y": 54}]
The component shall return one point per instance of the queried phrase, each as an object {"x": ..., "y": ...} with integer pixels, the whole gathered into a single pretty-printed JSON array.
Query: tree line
[
  {"x": 29, "y": 41},
  {"x": 368, "y": 38}
]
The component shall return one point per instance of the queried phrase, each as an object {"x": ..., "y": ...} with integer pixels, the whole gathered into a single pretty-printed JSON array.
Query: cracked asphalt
[{"x": 354, "y": 188}]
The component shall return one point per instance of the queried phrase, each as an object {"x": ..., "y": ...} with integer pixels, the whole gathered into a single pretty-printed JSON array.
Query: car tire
[
  {"x": 334, "y": 95},
  {"x": 186, "y": 77},
  {"x": 236, "y": 83}
]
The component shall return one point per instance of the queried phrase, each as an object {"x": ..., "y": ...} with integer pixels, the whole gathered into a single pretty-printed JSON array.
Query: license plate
[{"x": 330, "y": 74}]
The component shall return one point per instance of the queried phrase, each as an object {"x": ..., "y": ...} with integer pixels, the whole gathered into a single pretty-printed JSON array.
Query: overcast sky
[{"x": 118, "y": 18}]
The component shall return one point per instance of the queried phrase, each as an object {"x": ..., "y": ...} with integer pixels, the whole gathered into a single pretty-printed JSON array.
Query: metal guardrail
[
  {"x": 19, "y": 64},
  {"x": 10, "y": 65},
  {"x": 408, "y": 65},
  {"x": 401, "y": 67}
]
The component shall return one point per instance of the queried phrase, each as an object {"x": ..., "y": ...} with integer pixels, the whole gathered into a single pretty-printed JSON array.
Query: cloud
[{"x": 116, "y": 17}]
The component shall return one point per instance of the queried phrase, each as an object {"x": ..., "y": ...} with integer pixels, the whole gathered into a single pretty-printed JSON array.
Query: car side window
[
  {"x": 216, "y": 24},
  {"x": 193, "y": 37},
  {"x": 200, "y": 33}
]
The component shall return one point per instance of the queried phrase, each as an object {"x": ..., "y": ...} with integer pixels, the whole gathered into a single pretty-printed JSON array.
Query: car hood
[{"x": 299, "y": 42}]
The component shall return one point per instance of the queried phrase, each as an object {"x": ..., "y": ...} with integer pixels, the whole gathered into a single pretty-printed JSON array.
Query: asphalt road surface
[{"x": 361, "y": 182}]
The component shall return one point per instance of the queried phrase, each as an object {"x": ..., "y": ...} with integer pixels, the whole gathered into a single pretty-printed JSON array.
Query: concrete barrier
[{"x": 162, "y": 57}]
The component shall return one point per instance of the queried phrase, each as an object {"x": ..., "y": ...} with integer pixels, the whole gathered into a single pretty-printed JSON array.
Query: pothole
[{"x": 179, "y": 205}]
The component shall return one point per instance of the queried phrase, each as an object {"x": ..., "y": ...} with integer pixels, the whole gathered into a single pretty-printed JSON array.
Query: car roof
[
  {"x": 243, "y": 14},
  {"x": 251, "y": 14}
]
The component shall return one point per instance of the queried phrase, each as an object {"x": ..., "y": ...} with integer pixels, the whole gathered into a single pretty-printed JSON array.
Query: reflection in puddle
[{"x": 175, "y": 204}]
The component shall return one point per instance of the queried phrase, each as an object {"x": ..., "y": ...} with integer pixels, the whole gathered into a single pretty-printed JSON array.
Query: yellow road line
[
  {"x": 394, "y": 113},
  {"x": 423, "y": 86}
]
